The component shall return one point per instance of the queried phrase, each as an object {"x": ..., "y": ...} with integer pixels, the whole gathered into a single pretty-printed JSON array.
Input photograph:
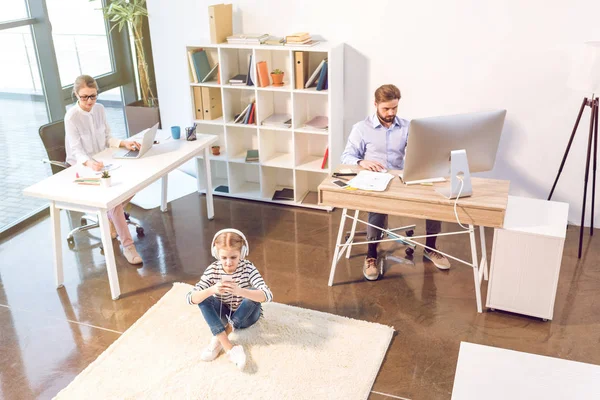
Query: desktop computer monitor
[{"x": 432, "y": 141}]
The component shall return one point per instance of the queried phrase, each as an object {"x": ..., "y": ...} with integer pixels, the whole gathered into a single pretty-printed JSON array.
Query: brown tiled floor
[{"x": 48, "y": 336}]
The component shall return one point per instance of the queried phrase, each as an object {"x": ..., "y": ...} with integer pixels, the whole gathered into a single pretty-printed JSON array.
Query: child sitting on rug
[{"x": 229, "y": 294}]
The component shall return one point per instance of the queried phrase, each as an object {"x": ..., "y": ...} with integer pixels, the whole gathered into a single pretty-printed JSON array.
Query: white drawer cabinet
[{"x": 526, "y": 257}]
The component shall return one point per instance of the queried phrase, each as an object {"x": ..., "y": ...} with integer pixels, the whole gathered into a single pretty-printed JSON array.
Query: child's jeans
[{"x": 245, "y": 316}]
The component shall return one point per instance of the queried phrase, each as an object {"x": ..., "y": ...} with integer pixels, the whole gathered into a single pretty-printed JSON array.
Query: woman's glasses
[{"x": 86, "y": 98}]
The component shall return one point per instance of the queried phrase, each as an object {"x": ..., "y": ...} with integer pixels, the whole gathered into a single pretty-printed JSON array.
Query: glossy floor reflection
[{"x": 48, "y": 336}]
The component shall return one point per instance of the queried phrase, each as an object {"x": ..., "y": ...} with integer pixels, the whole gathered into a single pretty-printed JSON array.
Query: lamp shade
[{"x": 585, "y": 68}]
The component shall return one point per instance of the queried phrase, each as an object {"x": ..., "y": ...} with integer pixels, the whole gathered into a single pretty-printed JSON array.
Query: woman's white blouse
[{"x": 86, "y": 133}]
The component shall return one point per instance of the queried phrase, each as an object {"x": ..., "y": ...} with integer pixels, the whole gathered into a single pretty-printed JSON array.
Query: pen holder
[{"x": 190, "y": 133}]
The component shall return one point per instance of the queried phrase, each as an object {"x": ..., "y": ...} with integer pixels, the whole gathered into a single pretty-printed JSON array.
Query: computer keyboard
[{"x": 132, "y": 153}]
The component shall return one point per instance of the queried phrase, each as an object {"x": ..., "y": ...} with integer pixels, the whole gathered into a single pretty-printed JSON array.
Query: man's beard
[{"x": 385, "y": 119}]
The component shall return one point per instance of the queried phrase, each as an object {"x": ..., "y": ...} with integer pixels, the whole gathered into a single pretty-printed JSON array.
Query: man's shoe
[
  {"x": 237, "y": 356},
  {"x": 439, "y": 260},
  {"x": 370, "y": 270},
  {"x": 212, "y": 350},
  {"x": 132, "y": 255}
]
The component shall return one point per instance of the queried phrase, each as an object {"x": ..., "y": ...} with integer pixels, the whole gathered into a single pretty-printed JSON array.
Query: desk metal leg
[
  {"x": 475, "y": 268},
  {"x": 484, "y": 263},
  {"x": 58, "y": 261},
  {"x": 109, "y": 255},
  {"x": 163, "y": 197},
  {"x": 351, "y": 239},
  {"x": 210, "y": 208},
  {"x": 338, "y": 243}
]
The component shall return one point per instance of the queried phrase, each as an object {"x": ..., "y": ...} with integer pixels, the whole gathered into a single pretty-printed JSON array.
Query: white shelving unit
[{"x": 288, "y": 157}]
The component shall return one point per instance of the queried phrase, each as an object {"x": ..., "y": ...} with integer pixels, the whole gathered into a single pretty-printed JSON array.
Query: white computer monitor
[{"x": 440, "y": 147}]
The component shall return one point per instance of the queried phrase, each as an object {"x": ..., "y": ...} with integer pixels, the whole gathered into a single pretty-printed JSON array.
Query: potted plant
[
  {"x": 277, "y": 77},
  {"x": 143, "y": 113},
  {"x": 105, "y": 179}
]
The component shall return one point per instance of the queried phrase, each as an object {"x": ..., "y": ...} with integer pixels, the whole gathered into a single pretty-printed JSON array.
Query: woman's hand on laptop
[
  {"x": 132, "y": 145},
  {"x": 371, "y": 165}
]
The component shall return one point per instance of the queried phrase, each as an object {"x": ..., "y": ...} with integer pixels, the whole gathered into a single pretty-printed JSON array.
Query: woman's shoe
[
  {"x": 132, "y": 255},
  {"x": 237, "y": 356},
  {"x": 212, "y": 350}
]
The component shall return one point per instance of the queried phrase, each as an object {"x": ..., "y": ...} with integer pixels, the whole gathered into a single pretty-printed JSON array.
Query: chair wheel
[
  {"x": 410, "y": 233},
  {"x": 139, "y": 231},
  {"x": 71, "y": 243},
  {"x": 409, "y": 251},
  {"x": 102, "y": 250},
  {"x": 83, "y": 222}
]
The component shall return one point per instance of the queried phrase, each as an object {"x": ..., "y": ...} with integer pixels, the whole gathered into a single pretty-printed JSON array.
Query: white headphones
[{"x": 245, "y": 247}]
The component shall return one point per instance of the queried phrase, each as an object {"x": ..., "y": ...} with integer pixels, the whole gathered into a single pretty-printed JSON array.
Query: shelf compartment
[
  {"x": 244, "y": 180},
  {"x": 276, "y": 148},
  {"x": 218, "y": 173},
  {"x": 314, "y": 59},
  {"x": 308, "y": 106},
  {"x": 239, "y": 141},
  {"x": 310, "y": 151},
  {"x": 235, "y": 101},
  {"x": 307, "y": 181},
  {"x": 234, "y": 62},
  {"x": 269, "y": 103},
  {"x": 276, "y": 179},
  {"x": 212, "y": 54},
  {"x": 275, "y": 60}
]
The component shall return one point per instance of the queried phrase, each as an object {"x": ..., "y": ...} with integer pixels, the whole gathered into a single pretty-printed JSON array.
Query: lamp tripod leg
[
  {"x": 597, "y": 103},
  {"x": 587, "y": 174},
  {"x": 562, "y": 164}
]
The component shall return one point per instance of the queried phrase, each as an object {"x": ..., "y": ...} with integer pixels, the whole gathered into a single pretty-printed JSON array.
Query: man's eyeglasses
[{"x": 92, "y": 97}]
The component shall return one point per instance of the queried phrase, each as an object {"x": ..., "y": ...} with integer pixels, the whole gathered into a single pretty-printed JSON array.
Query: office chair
[{"x": 53, "y": 138}]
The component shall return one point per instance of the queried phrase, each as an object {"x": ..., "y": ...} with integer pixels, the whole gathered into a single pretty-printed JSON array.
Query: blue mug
[{"x": 176, "y": 132}]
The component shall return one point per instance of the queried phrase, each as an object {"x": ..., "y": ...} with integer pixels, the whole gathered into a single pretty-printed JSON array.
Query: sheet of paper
[{"x": 369, "y": 180}]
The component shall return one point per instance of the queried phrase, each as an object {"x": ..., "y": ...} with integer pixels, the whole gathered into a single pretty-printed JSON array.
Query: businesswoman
[{"x": 87, "y": 133}]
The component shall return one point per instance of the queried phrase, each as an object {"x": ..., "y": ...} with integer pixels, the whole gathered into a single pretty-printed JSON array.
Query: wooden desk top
[{"x": 486, "y": 207}]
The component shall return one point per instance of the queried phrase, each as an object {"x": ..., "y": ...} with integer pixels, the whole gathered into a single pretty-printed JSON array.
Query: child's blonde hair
[{"x": 229, "y": 240}]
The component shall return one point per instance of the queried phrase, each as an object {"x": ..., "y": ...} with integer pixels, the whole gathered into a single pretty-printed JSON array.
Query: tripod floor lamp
[{"x": 585, "y": 75}]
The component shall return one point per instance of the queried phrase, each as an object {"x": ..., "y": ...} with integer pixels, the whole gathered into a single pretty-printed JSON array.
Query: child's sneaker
[
  {"x": 212, "y": 350},
  {"x": 237, "y": 356}
]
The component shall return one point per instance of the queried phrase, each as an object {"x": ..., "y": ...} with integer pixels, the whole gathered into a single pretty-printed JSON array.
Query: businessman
[{"x": 379, "y": 143}]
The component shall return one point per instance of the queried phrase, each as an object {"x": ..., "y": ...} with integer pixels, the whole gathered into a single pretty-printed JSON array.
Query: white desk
[
  {"x": 491, "y": 373},
  {"x": 127, "y": 180}
]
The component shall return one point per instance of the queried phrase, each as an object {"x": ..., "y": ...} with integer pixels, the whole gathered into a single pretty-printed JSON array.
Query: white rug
[
  {"x": 179, "y": 184},
  {"x": 293, "y": 353}
]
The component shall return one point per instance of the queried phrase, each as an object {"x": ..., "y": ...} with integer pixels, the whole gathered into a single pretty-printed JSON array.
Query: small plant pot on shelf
[
  {"x": 216, "y": 150},
  {"x": 277, "y": 79},
  {"x": 105, "y": 182}
]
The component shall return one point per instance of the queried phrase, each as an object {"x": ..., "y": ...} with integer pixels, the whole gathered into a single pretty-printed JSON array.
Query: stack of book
[
  {"x": 284, "y": 194},
  {"x": 278, "y": 121},
  {"x": 239, "y": 80},
  {"x": 247, "y": 38},
  {"x": 300, "y": 39},
  {"x": 248, "y": 116},
  {"x": 319, "y": 77},
  {"x": 319, "y": 122},
  {"x": 275, "y": 41},
  {"x": 252, "y": 156}
]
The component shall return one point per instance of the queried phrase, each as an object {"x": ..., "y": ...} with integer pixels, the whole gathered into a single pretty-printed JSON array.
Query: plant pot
[
  {"x": 105, "y": 182},
  {"x": 140, "y": 117},
  {"x": 216, "y": 150},
  {"x": 277, "y": 79}
]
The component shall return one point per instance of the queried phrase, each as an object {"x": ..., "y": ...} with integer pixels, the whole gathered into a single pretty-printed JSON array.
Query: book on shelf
[
  {"x": 308, "y": 43},
  {"x": 222, "y": 189},
  {"x": 201, "y": 64},
  {"x": 211, "y": 73},
  {"x": 315, "y": 74},
  {"x": 262, "y": 72},
  {"x": 192, "y": 68},
  {"x": 278, "y": 121},
  {"x": 242, "y": 115},
  {"x": 297, "y": 37},
  {"x": 319, "y": 122},
  {"x": 252, "y": 112},
  {"x": 252, "y": 155},
  {"x": 322, "y": 77},
  {"x": 247, "y": 38},
  {"x": 311, "y": 198},
  {"x": 274, "y": 41},
  {"x": 284, "y": 194},
  {"x": 249, "y": 80},
  {"x": 220, "y": 21},
  {"x": 301, "y": 69},
  {"x": 239, "y": 79},
  {"x": 325, "y": 156}
]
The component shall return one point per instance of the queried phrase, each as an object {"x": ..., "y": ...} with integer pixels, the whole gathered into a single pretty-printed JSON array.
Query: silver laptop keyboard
[{"x": 131, "y": 153}]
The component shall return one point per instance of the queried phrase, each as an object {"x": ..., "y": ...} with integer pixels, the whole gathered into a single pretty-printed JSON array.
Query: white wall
[{"x": 446, "y": 57}]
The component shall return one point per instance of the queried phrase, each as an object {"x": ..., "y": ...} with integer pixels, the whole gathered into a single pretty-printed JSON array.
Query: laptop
[{"x": 147, "y": 142}]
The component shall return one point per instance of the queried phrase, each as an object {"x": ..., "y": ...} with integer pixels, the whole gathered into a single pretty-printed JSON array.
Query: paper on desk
[{"x": 369, "y": 180}]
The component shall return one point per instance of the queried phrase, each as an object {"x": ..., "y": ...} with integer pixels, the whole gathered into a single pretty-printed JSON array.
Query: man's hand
[
  {"x": 95, "y": 165},
  {"x": 133, "y": 145},
  {"x": 371, "y": 165}
]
